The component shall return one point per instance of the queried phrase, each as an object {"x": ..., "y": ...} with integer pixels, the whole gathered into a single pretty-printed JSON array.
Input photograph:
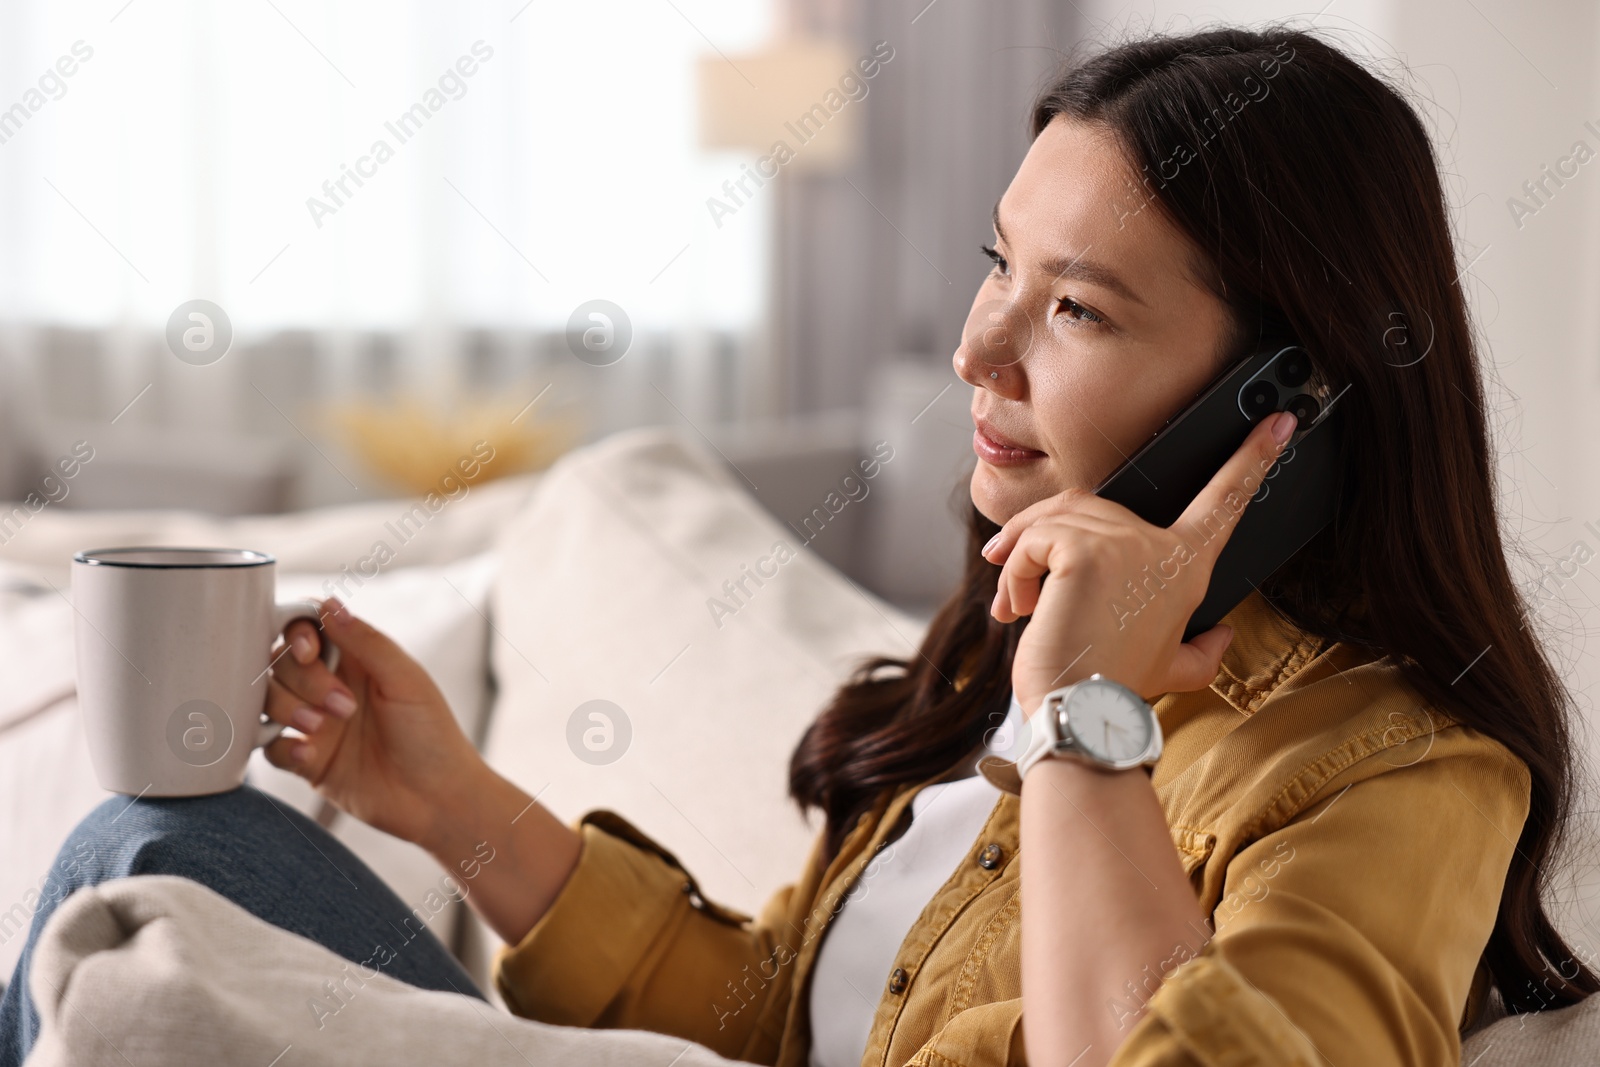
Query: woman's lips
[{"x": 1000, "y": 453}]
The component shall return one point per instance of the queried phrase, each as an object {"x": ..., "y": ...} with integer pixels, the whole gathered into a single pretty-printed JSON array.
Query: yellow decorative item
[{"x": 415, "y": 445}]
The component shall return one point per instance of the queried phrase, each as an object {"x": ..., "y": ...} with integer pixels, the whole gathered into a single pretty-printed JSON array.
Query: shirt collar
[{"x": 1266, "y": 651}]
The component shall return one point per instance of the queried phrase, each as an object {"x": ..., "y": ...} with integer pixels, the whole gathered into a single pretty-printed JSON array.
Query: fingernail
[
  {"x": 333, "y": 611},
  {"x": 304, "y": 650},
  {"x": 340, "y": 703},
  {"x": 306, "y": 719},
  {"x": 1283, "y": 427},
  {"x": 988, "y": 548},
  {"x": 302, "y": 752}
]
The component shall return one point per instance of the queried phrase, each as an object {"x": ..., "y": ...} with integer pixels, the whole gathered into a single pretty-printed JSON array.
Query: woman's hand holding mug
[{"x": 376, "y": 737}]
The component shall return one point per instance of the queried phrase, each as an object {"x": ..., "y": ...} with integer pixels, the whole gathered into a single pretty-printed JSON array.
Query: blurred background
[
  {"x": 282, "y": 254},
  {"x": 397, "y": 209}
]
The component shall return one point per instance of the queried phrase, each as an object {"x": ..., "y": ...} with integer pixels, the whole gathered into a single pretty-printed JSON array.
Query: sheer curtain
[
  {"x": 186, "y": 154},
  {"x": 400, "y": 178}
]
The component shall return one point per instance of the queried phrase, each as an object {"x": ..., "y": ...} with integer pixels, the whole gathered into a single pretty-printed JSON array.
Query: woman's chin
[{"x": 1000, "y": 493}]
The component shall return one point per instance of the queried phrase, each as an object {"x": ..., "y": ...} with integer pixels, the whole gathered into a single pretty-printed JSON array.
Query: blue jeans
[{"x": 259, "y": 853}]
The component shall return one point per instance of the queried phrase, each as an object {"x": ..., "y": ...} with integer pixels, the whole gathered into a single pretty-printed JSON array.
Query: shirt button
[
  {"x": 989, "y": 858},
  {"x": 898, "y": 980}
]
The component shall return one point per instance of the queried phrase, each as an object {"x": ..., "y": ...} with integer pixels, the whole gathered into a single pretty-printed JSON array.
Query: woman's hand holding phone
[{"x": 1068, "y": 560}]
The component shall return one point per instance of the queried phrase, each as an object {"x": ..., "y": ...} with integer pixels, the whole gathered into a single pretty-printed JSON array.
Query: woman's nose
[{"x": 996, "y": 338}]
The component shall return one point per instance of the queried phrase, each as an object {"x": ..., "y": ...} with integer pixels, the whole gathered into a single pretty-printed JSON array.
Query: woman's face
[{"x": 1090, "y": 332}]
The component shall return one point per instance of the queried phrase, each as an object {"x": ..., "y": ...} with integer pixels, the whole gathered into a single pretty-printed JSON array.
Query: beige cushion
[
  {"x": 1562, "y": 1037},
  {"x": 605, "y": 593}
]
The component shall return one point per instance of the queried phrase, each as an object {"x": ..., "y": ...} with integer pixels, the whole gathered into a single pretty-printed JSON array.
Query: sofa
[
  {"x": 605, "y": 578},
  {"x": 638, "y": 579}
]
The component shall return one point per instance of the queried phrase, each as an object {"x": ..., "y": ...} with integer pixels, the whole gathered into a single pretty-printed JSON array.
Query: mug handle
[{"x": 282, "y": 616}]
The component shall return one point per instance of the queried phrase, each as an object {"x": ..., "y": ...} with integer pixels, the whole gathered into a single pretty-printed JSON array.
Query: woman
[{"x": 1366, "y": 767}]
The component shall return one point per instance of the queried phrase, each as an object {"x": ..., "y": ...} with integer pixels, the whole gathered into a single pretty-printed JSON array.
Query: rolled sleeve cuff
[
  {"x": 620, "y": 897},
  {"x": 1220, "y": 1019}
]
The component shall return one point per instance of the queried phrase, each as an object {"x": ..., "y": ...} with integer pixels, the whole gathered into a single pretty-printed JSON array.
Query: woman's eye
[{"x": 1078, "y": 311}]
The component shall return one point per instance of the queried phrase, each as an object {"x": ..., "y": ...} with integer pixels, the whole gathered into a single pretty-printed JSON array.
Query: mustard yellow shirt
[{"x": 1348, "y": 842}]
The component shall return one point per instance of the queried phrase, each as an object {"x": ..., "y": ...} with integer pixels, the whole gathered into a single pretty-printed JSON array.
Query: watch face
[{"x": 1109, "y": 722}]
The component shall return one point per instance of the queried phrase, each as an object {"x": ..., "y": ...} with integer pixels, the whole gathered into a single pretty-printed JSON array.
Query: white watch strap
[
  {"x": 1041, "y": 738},
  {"x": 1006, "y": 775}
]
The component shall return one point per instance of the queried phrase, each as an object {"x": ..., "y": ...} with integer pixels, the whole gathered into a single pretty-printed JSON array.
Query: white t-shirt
[{"x": 860, "y": 946}]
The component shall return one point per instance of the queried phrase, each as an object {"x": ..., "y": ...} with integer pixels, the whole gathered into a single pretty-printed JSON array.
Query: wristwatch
[{"x": 1097, "y": 721}]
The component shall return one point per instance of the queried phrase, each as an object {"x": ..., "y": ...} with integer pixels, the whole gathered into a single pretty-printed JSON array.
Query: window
[{"x": 369, "y": 165}]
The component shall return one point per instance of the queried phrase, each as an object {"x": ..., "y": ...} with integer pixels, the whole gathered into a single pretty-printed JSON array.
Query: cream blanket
[
  {"x": 162, "y": 971},
  {"x": 157, "y": 970}
]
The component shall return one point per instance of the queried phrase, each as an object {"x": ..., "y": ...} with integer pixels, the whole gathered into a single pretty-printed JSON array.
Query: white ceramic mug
[{"x": 174, "y": 648}]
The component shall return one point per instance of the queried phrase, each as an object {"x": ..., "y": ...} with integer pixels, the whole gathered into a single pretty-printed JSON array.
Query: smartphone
[{"x": 1297, "y": 499}]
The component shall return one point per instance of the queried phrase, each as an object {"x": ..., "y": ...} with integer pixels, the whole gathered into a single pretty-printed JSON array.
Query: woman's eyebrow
[{"x": 1077, "y": 267}]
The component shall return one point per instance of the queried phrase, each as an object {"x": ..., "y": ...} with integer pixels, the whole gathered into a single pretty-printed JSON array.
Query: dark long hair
[{"x": 1311, "y": 187}]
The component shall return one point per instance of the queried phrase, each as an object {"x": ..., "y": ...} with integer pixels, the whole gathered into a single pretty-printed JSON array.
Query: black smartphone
[{"x": 1298, "y": 496}]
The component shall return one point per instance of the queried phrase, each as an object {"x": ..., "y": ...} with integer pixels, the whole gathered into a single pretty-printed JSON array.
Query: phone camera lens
[
  {"x": 1257, "y": 399},
  {"x": 1293, "y": 368},
  {"x": 1305, "y": 410}
]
